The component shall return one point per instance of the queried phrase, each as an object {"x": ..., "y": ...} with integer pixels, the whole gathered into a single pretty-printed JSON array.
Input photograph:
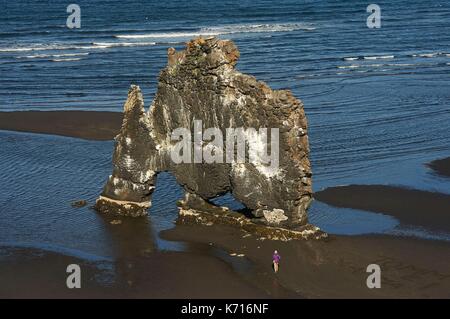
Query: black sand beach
[
  {"x": 99, "y": 126},
  {"x": 336, "y": 268}
]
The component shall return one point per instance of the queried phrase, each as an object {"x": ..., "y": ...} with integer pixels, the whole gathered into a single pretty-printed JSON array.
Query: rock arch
[{"x": 201, "y": 82}]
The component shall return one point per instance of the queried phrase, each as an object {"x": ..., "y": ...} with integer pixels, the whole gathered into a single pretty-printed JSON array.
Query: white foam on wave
[
  {"x": 351, "y": 59},
  {"x": 425, "y": 55},
  {"x": 353, "y": 66},
  {"x": 401, "y": 64},
  {"x": 376, "y": 65},
  {"x": 379, "y": 57},
  {"x": 122, "y": 44},
  {"x": 40, "y": 56},
  {"x": 66, "y": 60},
  {"x": 220, "y": 30},
  {"x": 246, "y": 28},
  {"x": 41, "y": 47},
  {"x": 429, "y": 55},
  {"x": 59, "y": 47},
  {"x": 70, "y": 54},
  {"x": 166, "y": 35},
  {"x": 207, "y": 31},
  {"x": 15, "y": 49},
  {"x": 380, "y": 65}
]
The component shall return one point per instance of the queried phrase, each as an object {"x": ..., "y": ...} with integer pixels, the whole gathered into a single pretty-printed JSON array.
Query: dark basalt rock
[
  {"x": 193, "y": 211},
  {"x": 201, "y": 83},
  {"x": 79, "y": 203}
]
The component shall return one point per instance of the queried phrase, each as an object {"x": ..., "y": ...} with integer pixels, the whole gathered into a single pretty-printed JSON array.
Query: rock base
[
  {"x": 123, "y": 208},
  {"x": 225, "y": 216}
]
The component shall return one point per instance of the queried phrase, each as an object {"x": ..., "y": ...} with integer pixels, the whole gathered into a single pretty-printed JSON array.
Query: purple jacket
[{"x": 276, "y": 258}]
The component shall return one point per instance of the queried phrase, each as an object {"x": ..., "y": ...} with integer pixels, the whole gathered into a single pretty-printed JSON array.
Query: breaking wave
[
  {"x": 246, "y": 28},
  {"x": 430, "y": 55},
  {"x": 351, "y": 58},
  {"x": 166, "y": 35},
  {"x": 66, "y": 60},
  {"x": 379, "y": 57},
  {"x": 122, "y": 44},
  {"x": 226, "y": 29},
  {"x": 40, "y": 56},
  {"x": 353, "y": 66},
  {"x": 40, "y": 47},
  {"x": 90, "y": 46}
]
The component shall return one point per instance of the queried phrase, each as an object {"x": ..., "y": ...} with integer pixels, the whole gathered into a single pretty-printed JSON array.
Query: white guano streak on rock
[
  {"x": 129, "y": 162},
  {"x": 258, "y": 146}
]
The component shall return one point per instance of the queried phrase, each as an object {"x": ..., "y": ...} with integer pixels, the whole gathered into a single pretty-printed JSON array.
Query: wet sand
[
  {"x": 99, "y": 126},
  {"x": 410, "y": 206},
  {"x": 441, "y": 166},
  {"x": 336, "y": 268},
  {"x": 33, "y": 273},
  {"x": 410, "y": 268}
]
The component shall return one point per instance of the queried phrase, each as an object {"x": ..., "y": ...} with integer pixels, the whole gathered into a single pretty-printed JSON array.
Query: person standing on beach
[{"x": 276, "y": 260}]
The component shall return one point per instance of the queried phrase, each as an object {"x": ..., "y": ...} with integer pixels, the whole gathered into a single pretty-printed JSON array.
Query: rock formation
[{"x": 201, "y": 83}]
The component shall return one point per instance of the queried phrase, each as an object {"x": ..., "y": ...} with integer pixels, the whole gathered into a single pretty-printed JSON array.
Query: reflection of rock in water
[
  {"x": 131, "y": 240},
  {"x": 201, "y": 83},
  {"x": 133, "y": 237}
]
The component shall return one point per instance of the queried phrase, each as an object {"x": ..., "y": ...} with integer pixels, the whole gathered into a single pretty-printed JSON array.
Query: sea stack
[{"x": 201, "y": 85}]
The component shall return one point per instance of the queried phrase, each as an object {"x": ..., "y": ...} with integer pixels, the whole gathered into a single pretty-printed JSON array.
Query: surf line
[{"x": 193, "y": 309}]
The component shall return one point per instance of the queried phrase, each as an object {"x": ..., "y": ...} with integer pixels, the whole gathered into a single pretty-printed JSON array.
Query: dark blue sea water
[{"x": 377, "y": 100}]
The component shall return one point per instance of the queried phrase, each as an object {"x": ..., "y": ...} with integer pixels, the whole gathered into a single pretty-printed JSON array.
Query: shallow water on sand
[{"x": 43, "y": 174}]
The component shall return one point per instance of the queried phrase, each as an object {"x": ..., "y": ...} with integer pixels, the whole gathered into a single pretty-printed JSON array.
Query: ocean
[{"x": 377, "y": 100}]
